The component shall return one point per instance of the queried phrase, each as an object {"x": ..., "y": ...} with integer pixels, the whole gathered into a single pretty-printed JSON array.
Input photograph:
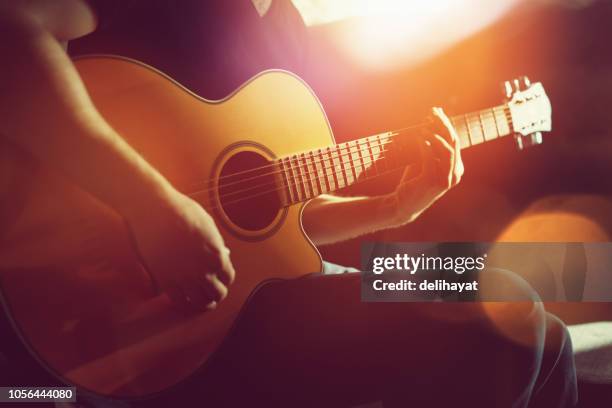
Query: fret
[
  {"x": 502, "y": 120},
  {"x": 382, "y": 164},
  {"x": 488, "y": 120},
  {"x": 376, "y": 148},
  {"x": 301, "y": 180},
  {"x": 499, "y": 134},
  {"x": 294, "y": 178},
  {"x": 338, "y": 170},
  {"x": 305, "y": 175},
  {"x": 469, "y": 129},
  {"x": 343, "y": 168},
  {"x": 290, "y": 196},
  {"x": 361, "y": 145},
  {"x": 488, "y": 123},
  {"x": 372, "y": 164},
  {"x": 319, "y": 164},
  {"x": 476, "y": 135},
  {"x": 328, "y": 167},
  {"x": 482, "y": 126},
  {"x": 313, "y": 176},
  {"x": 355, "y": 158},
  {"x": 347, "y": 164},
  {"x": 462, "y": 131}
]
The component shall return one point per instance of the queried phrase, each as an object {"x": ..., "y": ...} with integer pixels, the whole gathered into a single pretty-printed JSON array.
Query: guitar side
[{"x": 70, "y": 276}]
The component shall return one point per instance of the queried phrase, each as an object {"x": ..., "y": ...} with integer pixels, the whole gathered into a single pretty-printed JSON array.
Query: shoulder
[{"x": 65, "y": 19}]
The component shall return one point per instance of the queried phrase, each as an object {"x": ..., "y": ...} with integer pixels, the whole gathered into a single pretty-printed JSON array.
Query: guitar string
[
  {"x": 304, "y": 170},
  {"x": 305, "y": 194},
  {"x": 306, "y": 173},
  {"x": 287, "y": 186},
  {"x": 299, "y": 171},
  {"x": 489, "y": 113},
  {"x": 341, "y": 150},
  {"x": 304, "y": 180},
  {"x": 306, "y": 177},
  {"x": 348, "y": 152}
]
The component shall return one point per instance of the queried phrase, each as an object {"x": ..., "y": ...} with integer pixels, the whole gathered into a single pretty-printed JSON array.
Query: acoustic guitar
[{"x": 72, "y": 282}]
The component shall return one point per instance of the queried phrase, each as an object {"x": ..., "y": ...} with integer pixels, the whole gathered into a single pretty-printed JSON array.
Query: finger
[
  {"x": 446, "y": 160},
  {"x": 459, "y": 170},
  {"x": 410, "y": 172},
  {"x": 442, "y": 149},
  {"x": 458, "y": 167},
  {"x": 428, "y": 166},
  {"x": 213, "y": 256},
  {"x": 219, "y": 290},
  {"x": 450, "y": 130},
  {"x": 442, "y": 125},
  {"x": 227, "y": 273},
  {"x": 438, "y": 125},
  {"x": 210, "y": 290}
]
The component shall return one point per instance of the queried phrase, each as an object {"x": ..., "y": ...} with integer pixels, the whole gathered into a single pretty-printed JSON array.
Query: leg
[
  {"x": 311, "y": 342},
  {"x": 557, "y": 383}
]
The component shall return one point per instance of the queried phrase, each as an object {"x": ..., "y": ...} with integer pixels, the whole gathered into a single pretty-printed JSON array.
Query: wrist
[{"x": 395, "y": 214}]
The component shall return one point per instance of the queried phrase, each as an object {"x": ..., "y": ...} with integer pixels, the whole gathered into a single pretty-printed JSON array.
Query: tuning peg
[
  {"x": 516, "y": 85},
  {"x": 536, "y": 138},
  {"x": 521, "y": 84},
  {"x": 508, "y": 89},
  {"x": 533, "y": 139},
  {"x": 525, "y": 83}
]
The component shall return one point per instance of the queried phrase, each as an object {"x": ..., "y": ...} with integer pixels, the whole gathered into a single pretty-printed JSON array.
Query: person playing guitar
[{"x": 301, "y": 342}]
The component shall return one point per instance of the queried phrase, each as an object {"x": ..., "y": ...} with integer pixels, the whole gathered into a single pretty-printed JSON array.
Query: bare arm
[
  {"x": 329, "y": 219},
  {"x": 46, "y": 111}
]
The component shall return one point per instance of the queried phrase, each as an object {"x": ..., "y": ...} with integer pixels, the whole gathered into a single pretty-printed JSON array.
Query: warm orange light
[{"x": 385, "y": 33}]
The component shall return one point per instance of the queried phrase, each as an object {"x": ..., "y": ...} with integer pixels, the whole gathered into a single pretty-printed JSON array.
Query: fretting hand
[{"x": 441, "y": 169}]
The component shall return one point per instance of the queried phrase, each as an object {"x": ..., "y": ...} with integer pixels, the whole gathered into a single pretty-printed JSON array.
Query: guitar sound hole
[{"x": 248, "y": 191}]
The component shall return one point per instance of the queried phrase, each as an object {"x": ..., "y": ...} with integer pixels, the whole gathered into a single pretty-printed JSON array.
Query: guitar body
[{"x": 71, "y": 279}]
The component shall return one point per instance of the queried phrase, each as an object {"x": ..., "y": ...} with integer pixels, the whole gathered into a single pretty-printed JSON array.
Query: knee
[
  {"x": 513, "y": 308},
  {"x": 558, "y": 343}
]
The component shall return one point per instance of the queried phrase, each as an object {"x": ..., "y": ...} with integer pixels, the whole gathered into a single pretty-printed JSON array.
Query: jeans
[{"x": 311, "y": 342}]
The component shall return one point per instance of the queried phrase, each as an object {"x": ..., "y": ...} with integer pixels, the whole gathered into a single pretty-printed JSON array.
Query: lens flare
[{"x": 388, "y": 33}]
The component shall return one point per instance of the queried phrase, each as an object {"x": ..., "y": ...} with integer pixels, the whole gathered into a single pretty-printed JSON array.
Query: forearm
[
  {"x": 45, "y": 110},
  {"x": 328, "y": 219}
]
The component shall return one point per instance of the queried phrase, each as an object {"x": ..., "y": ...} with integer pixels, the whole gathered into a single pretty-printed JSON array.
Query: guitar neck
[{"x": 305, "y": 175}]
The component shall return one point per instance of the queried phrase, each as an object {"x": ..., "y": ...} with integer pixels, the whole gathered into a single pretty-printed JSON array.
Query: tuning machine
[
  {"x": 517, "y": 92},
  {"x": 532, "y": 139},
  {"x": 516, "y": 85}
]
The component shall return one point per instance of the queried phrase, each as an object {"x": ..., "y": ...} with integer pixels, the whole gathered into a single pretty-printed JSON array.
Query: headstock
[{"x": 530, "y": 111}]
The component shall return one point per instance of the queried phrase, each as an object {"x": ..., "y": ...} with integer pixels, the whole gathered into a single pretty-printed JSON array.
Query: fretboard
[{"x": 305, "y": 175}]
